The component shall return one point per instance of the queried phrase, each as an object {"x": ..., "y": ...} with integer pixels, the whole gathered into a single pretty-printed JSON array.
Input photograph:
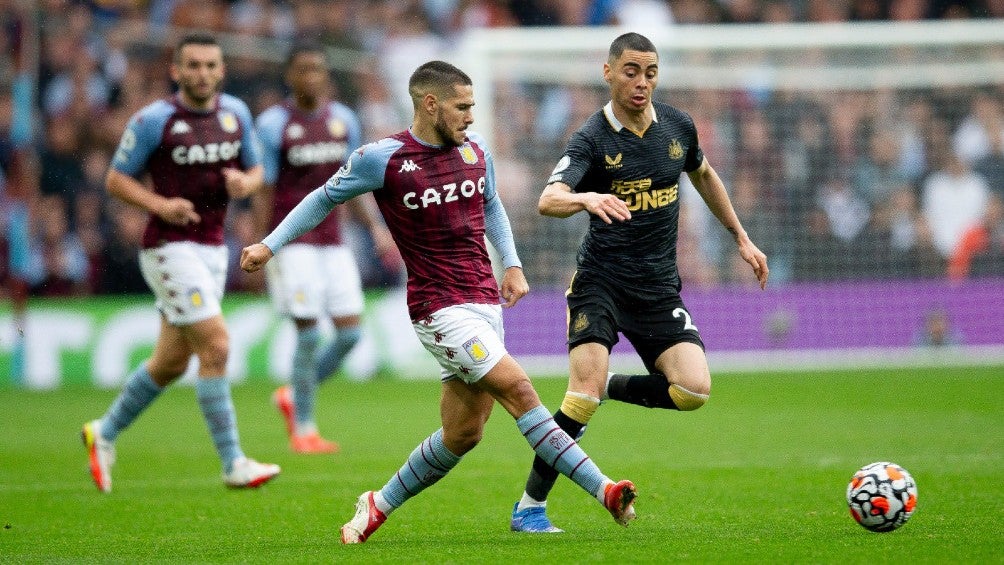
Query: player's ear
[
  {"x": 430, "y": 102},
  {"x": 606, "y": 73}
]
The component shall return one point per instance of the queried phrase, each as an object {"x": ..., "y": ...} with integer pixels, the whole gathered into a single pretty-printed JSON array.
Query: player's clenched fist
[{"x": 254, "y": 257}]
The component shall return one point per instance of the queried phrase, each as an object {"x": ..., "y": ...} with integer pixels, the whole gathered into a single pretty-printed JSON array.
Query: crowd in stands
[{"x": 831, "y": 186}]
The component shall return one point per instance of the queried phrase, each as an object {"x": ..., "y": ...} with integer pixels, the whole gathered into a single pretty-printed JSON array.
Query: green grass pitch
[{"x": 757, "y": 475}]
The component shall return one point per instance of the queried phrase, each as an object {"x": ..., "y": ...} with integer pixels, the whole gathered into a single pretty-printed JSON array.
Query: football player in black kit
[{"x": 623, "y": 167}]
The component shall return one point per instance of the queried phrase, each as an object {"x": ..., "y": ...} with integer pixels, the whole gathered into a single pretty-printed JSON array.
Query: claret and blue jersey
[
  {"x": 439, "y": 203},
  {"x": 301, "y": 151},
  {"x": 185, "y": 152}
]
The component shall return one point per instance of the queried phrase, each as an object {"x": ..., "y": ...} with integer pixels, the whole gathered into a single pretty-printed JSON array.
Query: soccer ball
[{"x": 882, "y": 496}]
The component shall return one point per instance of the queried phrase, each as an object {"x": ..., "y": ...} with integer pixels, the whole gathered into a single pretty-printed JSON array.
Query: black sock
[
  {"x": 543, "y": 476},
  {"x": 650, "y": 391}
]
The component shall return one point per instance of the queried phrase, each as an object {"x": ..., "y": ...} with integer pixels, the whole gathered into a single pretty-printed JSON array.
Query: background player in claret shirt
[
  {"x": 306, "y": 139},
  {"x": 435, "y": 187},
  {"x": 623, "y": 168},
  {"x": 200, "y": 151}
]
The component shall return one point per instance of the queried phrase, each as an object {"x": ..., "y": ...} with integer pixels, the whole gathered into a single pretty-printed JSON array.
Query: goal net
[{"x": 859, "y": 157}]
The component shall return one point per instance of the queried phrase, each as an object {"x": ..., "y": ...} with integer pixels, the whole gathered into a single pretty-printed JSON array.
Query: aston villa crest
[
  {"x": 228, "y": 121},
  {"x": 336, "y": 127},
  {"x": 468, "y": 154}
]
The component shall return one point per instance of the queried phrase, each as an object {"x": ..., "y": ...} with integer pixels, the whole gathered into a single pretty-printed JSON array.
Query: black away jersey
[{"x": 604, "y": 156}]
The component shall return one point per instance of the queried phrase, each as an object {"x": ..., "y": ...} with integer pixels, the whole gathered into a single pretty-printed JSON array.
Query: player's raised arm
[{"x": 303, "y": 218}]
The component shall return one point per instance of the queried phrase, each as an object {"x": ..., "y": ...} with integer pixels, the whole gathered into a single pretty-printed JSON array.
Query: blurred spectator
[
  {"x": 980, "y": 250},
  {"x": 827, "y": 11},
  {"x": 981, "y": 130},
  {"x": 877, "y": 173},
  {"x": 846, "y": 212},
  {"x": 911, "y": 126},
  {"x": 954, "y": 198},
  {"x": 937, "y": 330},
  {"x": 119, "y": 271},
  {"x": 817, "y": 253},
  {"x": 80, "y": 90},
  {"x": 991, "y": 166},
  {"x": 89, "y": 227},
  {"x": 409, "y": 43},
  {"x": 58, "y": 264},
  {"x": 696, "y": 12},
  {"x": 61, "y": 171},
  {"x": 208, "y": 15}
]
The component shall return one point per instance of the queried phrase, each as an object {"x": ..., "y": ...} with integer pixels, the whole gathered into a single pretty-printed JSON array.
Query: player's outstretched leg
[
  {"x": 558, "y": 449},
  {"x": 100, "y": 454},
  {"x": 430, "y": 461},
  {"x": 366, "y": 520},
  {"x": 530, "y": 513}
]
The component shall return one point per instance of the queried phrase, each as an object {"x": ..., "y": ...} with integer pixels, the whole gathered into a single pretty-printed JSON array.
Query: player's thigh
[
  {"x": 466, "y": 340},
  {"x": 296, "y": 281},
  {"x": 187, "y": 280},
  {"x": 686, "y": 365},
  {"x": 657, "y": 326},
  {"x": 343, "y": 293},
  {"x": 464, "y": 409}
]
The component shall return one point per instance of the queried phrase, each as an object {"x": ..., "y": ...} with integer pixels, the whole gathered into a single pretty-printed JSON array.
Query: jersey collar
[{"x": 608, "y": 112}]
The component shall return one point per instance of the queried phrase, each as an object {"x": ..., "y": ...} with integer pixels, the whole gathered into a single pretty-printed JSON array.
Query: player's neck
[
  {"x": 427, "y": 134},
  {"x": 636, "y": 121},
  {"x": 307, "y": 103},
  {"x": 195, "y": 105}
]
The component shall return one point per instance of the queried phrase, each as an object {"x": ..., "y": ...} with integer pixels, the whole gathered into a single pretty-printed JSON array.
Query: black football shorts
[{"x": 652, "y": 323}]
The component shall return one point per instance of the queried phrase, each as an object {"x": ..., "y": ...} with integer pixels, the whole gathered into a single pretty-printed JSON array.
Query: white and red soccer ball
[{"x": 882, "y": 496}]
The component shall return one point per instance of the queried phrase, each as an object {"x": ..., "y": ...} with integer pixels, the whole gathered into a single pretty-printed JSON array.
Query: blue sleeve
[
  {"x": 270, "y": 125},
  {"x": 363, "y": 172},
  {"x": 351, "y": 119},
  {"x": 497, "y": 227},
  {"x": 304, "y": 217},
  {"x": 250, "y": 145},
  {"x": 141, "y": 137}
]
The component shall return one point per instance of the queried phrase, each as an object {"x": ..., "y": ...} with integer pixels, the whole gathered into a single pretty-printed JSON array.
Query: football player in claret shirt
[
  {"x": 623, "y": 167},
  {"x": 200, "y": 151},
  {"x": 305, "y": 139},
  {"x": 435, "y": 186}
]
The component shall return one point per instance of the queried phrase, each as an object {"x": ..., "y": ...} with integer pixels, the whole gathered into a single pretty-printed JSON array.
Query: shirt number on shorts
[{"x": 687, "y": 325}]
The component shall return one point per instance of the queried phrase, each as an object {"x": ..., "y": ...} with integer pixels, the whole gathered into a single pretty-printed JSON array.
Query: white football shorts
[
  {"x": 187, "y": 278},
  {"x": 467, "y": 340},
  {"x": 309, "y": 282}
]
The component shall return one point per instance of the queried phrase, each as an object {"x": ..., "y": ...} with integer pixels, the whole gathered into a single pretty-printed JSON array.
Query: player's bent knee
[{"x": 686, "y": 400}]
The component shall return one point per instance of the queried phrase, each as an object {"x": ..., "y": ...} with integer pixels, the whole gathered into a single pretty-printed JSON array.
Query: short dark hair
[
  {"x": 631, "y": 42},
  {"x": 302, "y": 46},
  {"x": 193, "y": 39},
  {"x": 435, "y": 76}
]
